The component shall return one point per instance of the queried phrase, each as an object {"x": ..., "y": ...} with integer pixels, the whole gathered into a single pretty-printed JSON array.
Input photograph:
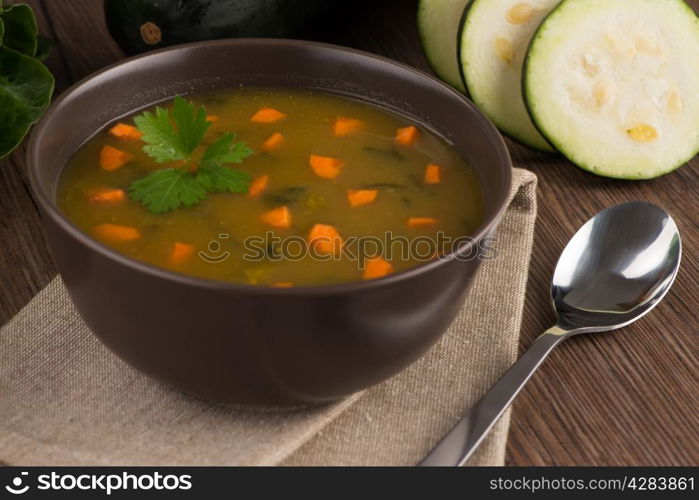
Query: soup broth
[{"x": 341, "y": 191}]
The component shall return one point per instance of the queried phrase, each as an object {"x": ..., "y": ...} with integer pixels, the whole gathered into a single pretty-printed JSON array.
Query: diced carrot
[
  {"x": 113, "y": 158},
  {"x": 212, "y": 118},
  {"x": 283, "y": 284},
  {"x": 406, "y": 136},
  {"x": 432, "y": 174},
  {"x": 258, "y": 185},
  {"x": 181, "y": 252},
  {"x": 125, "y": 131},
  {"x": 346, "y": 126},
  {"x": 274, "y": 141},
  {"x": 278, "y": 217},
  {"x": 376, "y": 267},
  {"x": 325, "y": 166},
  {"x": 116, "y": 233},
  {"x": 421, "y": 221},
  {"x": 325, "y": 239},
  {"x": 267, "y": 115},
  {"x": 108, "y": 196},
  {"x": 358, "y": 197}
]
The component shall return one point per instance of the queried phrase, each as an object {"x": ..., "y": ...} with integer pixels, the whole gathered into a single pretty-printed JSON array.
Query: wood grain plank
[
  {"x": 56, "y": 60},
  {"x": 25, "y": 263},
  {"x": 623, "y": 398},
  {"x": 85, "y": 41}
]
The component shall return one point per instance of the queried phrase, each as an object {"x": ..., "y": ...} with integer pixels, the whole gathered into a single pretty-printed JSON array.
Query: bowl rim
[{"x": 51, "y": 210}]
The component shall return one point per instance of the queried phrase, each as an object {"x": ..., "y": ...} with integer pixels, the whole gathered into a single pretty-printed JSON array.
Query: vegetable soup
[{"x": 276, "y": 187}]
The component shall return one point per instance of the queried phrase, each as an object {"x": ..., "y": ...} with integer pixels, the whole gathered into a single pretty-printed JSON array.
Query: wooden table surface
[{"x": 625, "y": 398}]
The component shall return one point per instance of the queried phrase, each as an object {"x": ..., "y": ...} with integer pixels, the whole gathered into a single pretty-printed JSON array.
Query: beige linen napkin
[{"x": 66, "y": 400}]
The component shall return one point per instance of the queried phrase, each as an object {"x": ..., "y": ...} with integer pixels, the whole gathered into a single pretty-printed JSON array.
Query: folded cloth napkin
[{"x": 67, "y": 400}]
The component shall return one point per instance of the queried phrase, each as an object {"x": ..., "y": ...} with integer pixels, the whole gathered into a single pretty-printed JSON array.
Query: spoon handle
[{"x": 456, "y": 447}]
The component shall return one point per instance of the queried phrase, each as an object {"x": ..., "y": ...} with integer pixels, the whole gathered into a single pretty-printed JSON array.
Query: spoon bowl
[{"x": 615, "y": 269}]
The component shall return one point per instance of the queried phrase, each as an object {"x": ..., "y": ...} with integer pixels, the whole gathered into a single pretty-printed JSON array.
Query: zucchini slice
[
  {"x": 614, "y": 85},
  {"x": 492, "y": 46},
  {"x": 438, "y": 23}
]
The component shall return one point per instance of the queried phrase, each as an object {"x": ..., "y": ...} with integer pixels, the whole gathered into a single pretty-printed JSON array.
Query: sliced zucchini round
[
  {"x": 614, "y": 85},
  {"x": 492, "y": 46},
  {"x": 438, "y": 23}
]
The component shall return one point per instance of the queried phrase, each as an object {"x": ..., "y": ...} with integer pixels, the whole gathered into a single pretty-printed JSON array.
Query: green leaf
[
  {"x": 224, "y": 150},
  {"x": 20, "y": 29},
  {"x": 44, "y": 46},
  {"x": 217, "y": 178},
  {"x": 191, "y": 123},
  {"x": 25, "y": 92},
  {"x": 158, "y": 134},
  {"x": 172, "y": 135},
  {"x": 167, "y": 189}
]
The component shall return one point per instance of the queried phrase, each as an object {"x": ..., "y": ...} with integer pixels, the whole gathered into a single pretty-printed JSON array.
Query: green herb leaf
[
  {"x": 25, "y": 92},
  {"x": 20, "y": 29},
  {"x": 392, "y": 153},
  {"x": 174, "y": 134},
  {"x": 285, "y": 196},
  {"x": 167, "y": 189},
  {"x": 25, "y": 84},
  {"x": 191, "y": 123},
  {"x": 158, "y": 133},
  {"x": 224, "y": 150},
  {"x": 217, "y": 178}
]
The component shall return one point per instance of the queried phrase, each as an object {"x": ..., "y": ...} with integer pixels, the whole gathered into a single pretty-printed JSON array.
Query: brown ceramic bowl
[{"x": 241, "y": 343}]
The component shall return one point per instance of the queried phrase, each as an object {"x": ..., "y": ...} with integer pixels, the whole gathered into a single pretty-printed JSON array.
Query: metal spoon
[{"x": 617, "y": 267}]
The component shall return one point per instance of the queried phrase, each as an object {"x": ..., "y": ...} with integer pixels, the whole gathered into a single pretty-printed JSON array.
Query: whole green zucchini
[{"x": 141, "y": 25}]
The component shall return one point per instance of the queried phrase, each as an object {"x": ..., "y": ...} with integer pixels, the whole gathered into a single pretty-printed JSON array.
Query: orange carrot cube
[
  {"x": 359, "y": 197},
  {"x": 125, "y": 131},
  {"x": 212, "y": 118},
  {"x": 258, "y": 186},
  {"x": 113, "y": 158},
  {"x": 432, "y": 174},
  {"x": 346, "y": 126},
  {"x": 181, "y": 252},
  {"x": 376, "y": 267},
  {"x": 325, "y": 239},
  {"x": 116, "y": 233},
  {"x": 274, "y": 141},
  {"x": 277, "y": 217},
  {"x": 108, "y": 196},
  {"x": 267, "y": 115},
  {"x": 421, "y": 221},
  {"x": 325, "y": 166},
  {"x": 406, "y": 136}
]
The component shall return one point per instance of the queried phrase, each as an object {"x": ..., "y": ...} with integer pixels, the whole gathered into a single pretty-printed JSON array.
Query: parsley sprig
[{"x": 173, "y": 135}]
